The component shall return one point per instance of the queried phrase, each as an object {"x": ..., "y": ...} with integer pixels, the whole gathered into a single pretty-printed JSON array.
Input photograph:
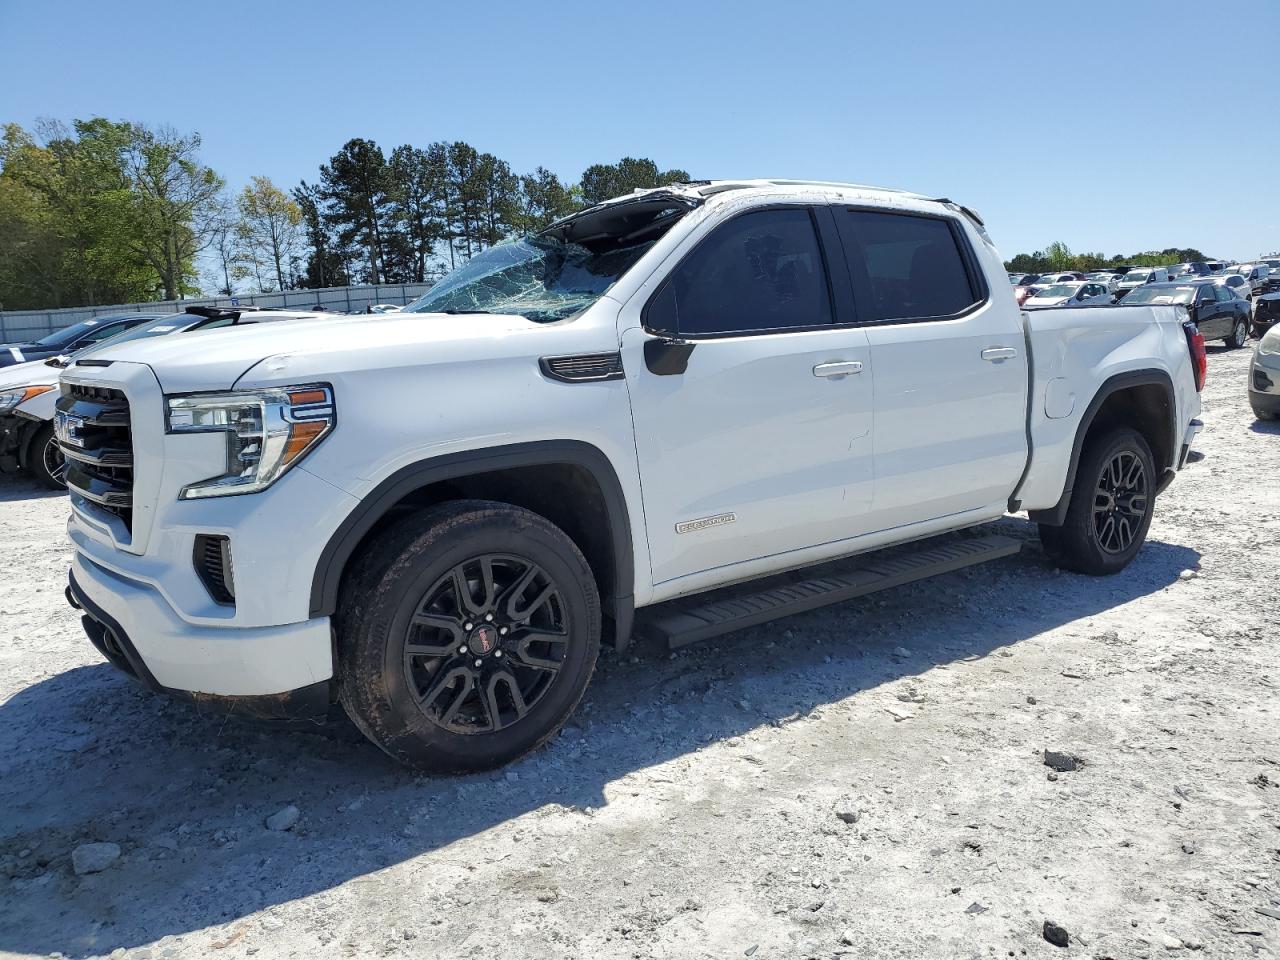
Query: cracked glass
[{"x": 541, "y": 278}]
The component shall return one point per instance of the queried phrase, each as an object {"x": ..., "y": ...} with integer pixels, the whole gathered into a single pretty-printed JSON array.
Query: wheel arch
[
  {"x": 1143, "y": 399},
  {"x": 537, "y": 475}
]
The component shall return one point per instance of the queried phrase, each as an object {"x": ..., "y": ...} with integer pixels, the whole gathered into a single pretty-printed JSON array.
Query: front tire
[
  {"x": 467, "y": 636},
  {"x": 1239, "y": 334},
  {"x": 1110, "y": 508},
  {"x": 44, "y": 461}
]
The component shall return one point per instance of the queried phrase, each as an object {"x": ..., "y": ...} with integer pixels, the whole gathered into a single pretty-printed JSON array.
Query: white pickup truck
[{"x": 681, "y": 402}]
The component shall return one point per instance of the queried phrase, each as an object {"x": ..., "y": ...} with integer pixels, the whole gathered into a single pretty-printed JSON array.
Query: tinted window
[
  {"x": 905, "y": 267},
  {"x": 102, "y": 333},
  {"x": 760, "y": 271},
  {"x": 1224, "y": 293}
]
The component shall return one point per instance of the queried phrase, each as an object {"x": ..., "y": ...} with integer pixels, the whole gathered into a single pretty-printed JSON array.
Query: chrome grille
[{"x": 94, "y": 435}]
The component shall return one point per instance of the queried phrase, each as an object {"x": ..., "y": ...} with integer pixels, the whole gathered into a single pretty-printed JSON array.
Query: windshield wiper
[{"x": 453, "y": 312}]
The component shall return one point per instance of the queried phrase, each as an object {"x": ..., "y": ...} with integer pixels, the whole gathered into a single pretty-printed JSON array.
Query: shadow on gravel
[
  {"x": 1266, "y": 426},
  {"x": 86, "y": 756},
  {"x": 15, "y": 487}
]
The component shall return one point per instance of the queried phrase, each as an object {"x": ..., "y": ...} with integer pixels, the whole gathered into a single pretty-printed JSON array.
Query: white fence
[{"x": 20, "y": 325}]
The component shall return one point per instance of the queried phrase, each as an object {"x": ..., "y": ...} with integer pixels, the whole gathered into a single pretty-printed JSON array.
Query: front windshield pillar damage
[{"x": 559, "y": 272}]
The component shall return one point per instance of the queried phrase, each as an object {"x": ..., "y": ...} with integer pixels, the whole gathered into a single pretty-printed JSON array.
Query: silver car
[{"x": 1264, "y": 376}]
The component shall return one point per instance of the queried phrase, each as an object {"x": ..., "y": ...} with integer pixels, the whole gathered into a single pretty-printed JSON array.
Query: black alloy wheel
[
  {"x": 467, "y": 633},
  {"x": 1120, "y": 502},
  {"x": 485, "y": 644}
]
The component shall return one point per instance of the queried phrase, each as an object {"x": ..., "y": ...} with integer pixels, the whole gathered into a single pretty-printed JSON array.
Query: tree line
[
  {"x": 115, "y": 212},
  {"x": 1058, "y": 256}
]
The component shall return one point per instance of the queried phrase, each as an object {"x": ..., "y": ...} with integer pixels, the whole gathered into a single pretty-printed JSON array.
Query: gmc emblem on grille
[{"x": 68, "y": 428}]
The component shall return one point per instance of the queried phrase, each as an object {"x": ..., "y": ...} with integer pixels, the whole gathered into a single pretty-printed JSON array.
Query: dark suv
[{"x": 1215, "y": 310}]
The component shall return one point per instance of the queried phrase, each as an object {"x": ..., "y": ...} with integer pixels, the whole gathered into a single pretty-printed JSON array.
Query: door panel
[
  {"x": 950, "y": 366},
  {"x": 761, "y": 443},
  {"x": 950, "y": 426},
  {"x": 748, "y": 429}
]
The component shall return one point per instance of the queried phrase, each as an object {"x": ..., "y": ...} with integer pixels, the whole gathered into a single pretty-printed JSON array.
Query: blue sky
[{"x": 1110, "y": 126}]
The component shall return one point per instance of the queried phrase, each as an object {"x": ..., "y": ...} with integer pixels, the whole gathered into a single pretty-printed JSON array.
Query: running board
[{"x": 702, "y": 616}]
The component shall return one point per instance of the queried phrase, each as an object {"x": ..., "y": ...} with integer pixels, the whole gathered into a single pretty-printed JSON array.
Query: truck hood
[
  {"x": 217, "y": 359},
  {"x": 28, "y": 374}
]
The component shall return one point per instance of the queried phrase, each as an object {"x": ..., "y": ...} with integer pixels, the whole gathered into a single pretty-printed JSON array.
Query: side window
[
  {"x": 905, "y": 267},
  {"x": 101, "y": 333},
  {"x": 759, "y": 271},
  {"x": 1223, "y": 293}
]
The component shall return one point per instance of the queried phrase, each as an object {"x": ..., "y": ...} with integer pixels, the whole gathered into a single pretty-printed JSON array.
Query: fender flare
[
  {"x": 342, "y": 544},
  {"x": 1056, "y": 515}
]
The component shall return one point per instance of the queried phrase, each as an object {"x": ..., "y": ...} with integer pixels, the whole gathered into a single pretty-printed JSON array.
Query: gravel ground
[{"x": 866, "y": 780}]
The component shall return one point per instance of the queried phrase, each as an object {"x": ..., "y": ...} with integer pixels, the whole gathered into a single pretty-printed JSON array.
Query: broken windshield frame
[{"x": 540, "y": 278}]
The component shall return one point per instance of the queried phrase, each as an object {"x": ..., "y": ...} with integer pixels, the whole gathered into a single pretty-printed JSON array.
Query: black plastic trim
[
  {"x": 666, "y": 357},
  {"x": 561, "y": 369},
  {"x": 327, "y": 578},
  {"x": 1055, "y": 516},
  {"x": 133, "y": 664}
]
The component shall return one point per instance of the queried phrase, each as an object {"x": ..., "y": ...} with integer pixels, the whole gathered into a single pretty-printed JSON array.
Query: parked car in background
[
  {"x": 1236, "y": 283},
  {"x": 1254, "y": 273},
  {"x": 69, "y": 339},
  {"x": 1270, "y": 282},
  {"x": 29, "y": 391},
  {"x": 1137, "y": 276},
  {"x": 1216, "y": 266},
  {"x": 1217, "y": 312},
  {"x": 1264, "y": 376},
  {"x": 1077, "y": 293},
  {"x": 1266, "y": 312},
  {"x": 1194, "y": 268},
  {"x": 382, "y": 308}
]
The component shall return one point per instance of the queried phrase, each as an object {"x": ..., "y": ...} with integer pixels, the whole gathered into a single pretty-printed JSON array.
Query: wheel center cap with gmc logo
[{"x": 484, "y": 639}]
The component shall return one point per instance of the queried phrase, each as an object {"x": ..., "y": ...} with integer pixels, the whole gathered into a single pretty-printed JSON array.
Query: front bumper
[
  {"x": 134, "y": 626},
  {"x": 1265, "y": 402}
]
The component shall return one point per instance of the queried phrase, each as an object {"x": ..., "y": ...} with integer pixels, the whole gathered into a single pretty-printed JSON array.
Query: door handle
[
  {"x": 839, "y": 369},
  {"x": 996, "y": 354}
]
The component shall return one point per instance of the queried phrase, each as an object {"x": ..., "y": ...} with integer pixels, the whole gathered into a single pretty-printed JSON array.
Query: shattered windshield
[{"x": 541, "y": 278}]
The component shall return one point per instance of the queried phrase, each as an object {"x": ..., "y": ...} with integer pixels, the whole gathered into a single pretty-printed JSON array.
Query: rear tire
[
  {"x": 1110, "y": 508},
  {"x": 466, "y": 636},
  {"x": 44, "y": 461},
  {"x": 1239, "y": 334}
]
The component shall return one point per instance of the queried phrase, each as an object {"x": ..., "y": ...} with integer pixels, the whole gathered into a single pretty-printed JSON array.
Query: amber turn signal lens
[
  {"x": 301, "y": 436},
  {"x": 302, "y": 397}
]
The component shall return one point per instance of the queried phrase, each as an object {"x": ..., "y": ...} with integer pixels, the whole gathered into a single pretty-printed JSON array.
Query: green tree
[
  {"x": 603, "y": 181},
  {"x": 416, "y": 177},
  {"x": 544, "y": 198},
  {"x": 173, "y": 198},
  {"x": 326, "y": 263},
  {"x": 268, "y": 228},
  {"x": 354, "y": 186}
]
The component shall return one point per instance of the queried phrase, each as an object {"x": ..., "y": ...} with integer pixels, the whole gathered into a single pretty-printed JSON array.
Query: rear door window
[
  {"x": 757, "y": 272},
  {"x": 907, "y": 266}
]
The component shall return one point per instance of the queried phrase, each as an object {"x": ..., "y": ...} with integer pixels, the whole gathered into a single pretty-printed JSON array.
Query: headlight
[
  {"x": 267, "y": 432},
  {"x": 16, "y": 396}
]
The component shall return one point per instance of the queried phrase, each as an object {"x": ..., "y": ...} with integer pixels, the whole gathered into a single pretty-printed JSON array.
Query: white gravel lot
[{"x": 692, "y": 808}]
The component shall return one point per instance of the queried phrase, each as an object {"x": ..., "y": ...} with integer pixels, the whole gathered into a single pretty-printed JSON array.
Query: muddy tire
[
  {"x": 466, "y": 636},
  {"x": 43, "y": 462},
  {"x": 1110, "y": 508}
]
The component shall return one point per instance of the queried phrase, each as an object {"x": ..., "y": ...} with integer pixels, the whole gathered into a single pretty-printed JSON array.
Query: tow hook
[{"x": 71, "y": 598}]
